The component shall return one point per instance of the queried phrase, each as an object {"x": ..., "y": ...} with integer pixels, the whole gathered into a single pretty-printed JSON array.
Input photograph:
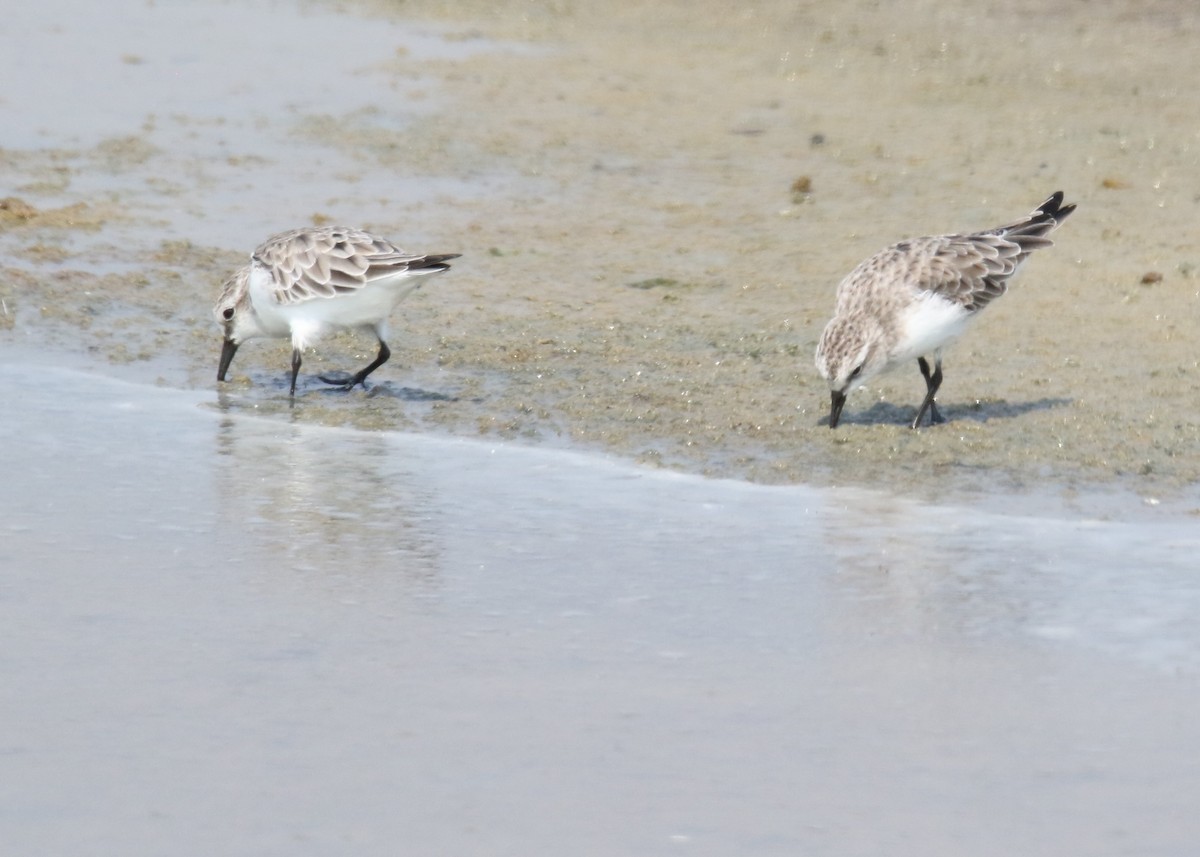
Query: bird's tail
[
  {"x": 1052, "y": 210},
  {"x": 1031, "y": 231},
  {"x": 434, "y": 262}
]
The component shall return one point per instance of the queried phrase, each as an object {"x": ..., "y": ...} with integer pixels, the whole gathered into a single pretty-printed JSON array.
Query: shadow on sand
[
  {"x": 884, "y": 413},
  {"x": 388, "y": 390}
]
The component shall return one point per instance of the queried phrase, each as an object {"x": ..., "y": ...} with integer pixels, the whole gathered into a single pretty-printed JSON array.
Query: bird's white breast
[{"x": 927, "y": 324}]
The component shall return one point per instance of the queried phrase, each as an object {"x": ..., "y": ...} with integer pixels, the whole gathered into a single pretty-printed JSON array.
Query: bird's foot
[
  {"x": 343, "y": 381},
  {"x": 935, "y": 416}
]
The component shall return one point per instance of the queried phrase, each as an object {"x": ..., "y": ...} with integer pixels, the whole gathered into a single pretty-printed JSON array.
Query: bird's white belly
[
  {"x": 929, "y": 323},
  {"x": 368, "y": 306},
  {"x": 365, "y": 307}
]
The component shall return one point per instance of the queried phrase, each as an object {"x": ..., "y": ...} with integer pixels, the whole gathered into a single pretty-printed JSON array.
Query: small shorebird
[
  {"x": 913, "y": 298},
  {"x": 302, "y": 283}
]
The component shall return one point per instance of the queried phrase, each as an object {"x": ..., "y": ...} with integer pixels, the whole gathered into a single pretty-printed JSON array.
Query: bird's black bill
[
  {"x": 227, "y": 351},
  {"x": 836, "y": 401}
]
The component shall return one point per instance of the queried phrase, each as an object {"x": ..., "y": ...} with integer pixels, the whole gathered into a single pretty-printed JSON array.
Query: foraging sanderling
[
  {"x": 302, "y": 283},
  {"x": 913, "y": 298}
]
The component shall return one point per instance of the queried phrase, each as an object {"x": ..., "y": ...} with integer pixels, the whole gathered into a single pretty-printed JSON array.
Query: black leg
[
  {"x": 359, "y": 377},
  {"x": 932, "y": 383},
  {"x": 295, "y": 369}
]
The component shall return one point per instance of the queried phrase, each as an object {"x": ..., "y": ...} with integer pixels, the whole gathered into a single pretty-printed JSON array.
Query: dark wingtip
[
  {"x": 1053, "y": 208},
  {"x": 435, "y": 262}
]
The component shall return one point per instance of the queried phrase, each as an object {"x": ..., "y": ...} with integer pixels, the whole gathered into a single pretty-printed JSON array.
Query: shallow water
[
  {"x": 242, "y": 636},
  {"x": 463, "y": 611}
]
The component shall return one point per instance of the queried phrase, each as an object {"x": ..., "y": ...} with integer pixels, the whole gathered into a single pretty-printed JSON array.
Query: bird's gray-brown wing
[
  {"x": 971, "y": 270},
  {"x": 974, "y": 269},
  {"x": 323, "y": 262}
]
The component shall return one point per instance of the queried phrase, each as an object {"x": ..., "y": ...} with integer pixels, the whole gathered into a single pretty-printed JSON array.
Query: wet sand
[{"x": 639, "y": 275}]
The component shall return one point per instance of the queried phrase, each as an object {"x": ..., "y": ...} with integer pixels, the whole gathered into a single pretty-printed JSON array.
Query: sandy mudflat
[{"x": 639, "y": 274}]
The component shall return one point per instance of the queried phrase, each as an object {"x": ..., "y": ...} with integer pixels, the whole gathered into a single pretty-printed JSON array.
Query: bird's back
[
  {"x": 970, "y": 270},
  {"x": 328, "y": 261}
]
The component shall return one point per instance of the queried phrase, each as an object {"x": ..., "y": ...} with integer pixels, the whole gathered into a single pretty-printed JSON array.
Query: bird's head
[
  {"x": 849, "y": 354},
  {"x": 234, "y": 314}
]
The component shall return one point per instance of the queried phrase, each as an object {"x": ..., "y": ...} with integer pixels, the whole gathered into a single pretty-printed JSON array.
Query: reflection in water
[
  {"x": 322, "y": 500},
  {"x": 915, "y": 569},
  {"x": 958, "y": 575}
]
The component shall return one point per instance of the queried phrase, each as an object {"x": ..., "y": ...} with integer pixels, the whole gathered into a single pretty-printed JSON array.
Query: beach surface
[{"x": 583, "y": 570}]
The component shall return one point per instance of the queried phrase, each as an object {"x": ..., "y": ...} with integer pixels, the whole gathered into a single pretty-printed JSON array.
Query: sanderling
[
  {"x": 301, "y": 283},
  {"x": 916, "y": 296}
]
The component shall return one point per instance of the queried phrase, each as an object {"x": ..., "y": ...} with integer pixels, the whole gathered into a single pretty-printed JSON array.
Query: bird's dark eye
[
  {"x": 228, "y": 313},
  {"x": 857, "y": 370}
]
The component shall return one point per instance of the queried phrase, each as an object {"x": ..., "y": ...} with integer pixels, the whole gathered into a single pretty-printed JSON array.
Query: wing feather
[
  {"x": 971, "y": 270},
  {"x": 322, "y": 262}
]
